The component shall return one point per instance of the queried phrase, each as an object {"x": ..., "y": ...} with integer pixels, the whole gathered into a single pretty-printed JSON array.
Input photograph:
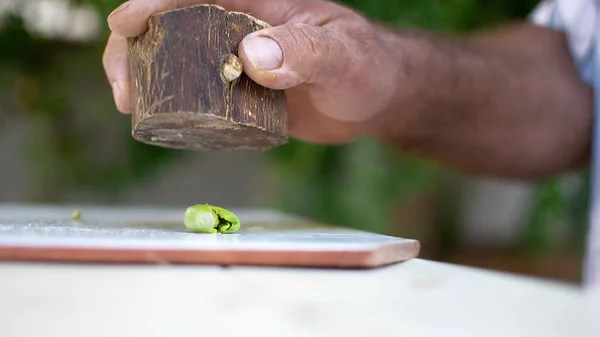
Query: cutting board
[{"x": 158, "y": 236}]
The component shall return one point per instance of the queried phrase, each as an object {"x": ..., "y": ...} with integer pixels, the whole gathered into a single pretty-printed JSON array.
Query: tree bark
[{"x": 188, "y": 87}]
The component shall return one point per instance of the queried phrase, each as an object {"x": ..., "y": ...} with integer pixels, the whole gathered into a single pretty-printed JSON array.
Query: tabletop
[{"x": 412, "y": 298}]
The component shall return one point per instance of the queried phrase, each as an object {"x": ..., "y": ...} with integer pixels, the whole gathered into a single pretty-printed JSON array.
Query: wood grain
[{"x": 185, "y": 87}]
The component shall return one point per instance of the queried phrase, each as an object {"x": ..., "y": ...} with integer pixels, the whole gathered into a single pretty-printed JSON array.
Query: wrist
[
  {"x": 438, "y": 79},
  {"x": 407, "y": 89}
]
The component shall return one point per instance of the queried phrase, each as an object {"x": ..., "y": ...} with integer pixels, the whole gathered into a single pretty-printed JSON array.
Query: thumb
[{"x": 286, "y": 56}]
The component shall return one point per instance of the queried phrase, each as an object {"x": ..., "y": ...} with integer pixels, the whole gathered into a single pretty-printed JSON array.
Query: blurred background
[{"x": 63, "y": 141}]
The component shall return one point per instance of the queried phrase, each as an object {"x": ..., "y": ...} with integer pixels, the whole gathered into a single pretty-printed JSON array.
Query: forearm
[{"x": 507, "y": 103}]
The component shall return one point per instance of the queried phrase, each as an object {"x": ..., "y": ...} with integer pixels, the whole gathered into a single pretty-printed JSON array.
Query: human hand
[{"x": 332, "y": 62}]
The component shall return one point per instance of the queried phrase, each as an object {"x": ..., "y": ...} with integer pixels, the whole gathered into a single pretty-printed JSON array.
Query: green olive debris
[{"x": 76, "y": 215}]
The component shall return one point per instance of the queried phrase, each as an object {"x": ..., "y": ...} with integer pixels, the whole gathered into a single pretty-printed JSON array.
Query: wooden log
[{"x": 189, "y": 91}]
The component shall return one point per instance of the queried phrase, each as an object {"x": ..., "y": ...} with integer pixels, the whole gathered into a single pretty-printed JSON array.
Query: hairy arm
[{"x": 506, "y": 103}]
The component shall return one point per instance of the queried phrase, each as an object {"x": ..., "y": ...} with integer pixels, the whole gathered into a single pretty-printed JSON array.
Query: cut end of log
[{"x": 191, "y": 131}]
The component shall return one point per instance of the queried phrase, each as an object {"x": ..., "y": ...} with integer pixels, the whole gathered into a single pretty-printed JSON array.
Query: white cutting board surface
[{"x": 155, "y": 235}]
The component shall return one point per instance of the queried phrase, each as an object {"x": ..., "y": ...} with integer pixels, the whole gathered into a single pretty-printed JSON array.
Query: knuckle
[
  {"x": 306, "y": 44},
  {"x": 303, "y": 37},
  {"x": 109, "y": 53},
  {"x": 106, "y": 58},
  {"x": 106, "y": 63},
  {"x": 309, "y": 38}
]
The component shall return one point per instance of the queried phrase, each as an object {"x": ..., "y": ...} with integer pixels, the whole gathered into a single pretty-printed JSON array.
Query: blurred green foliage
[
  {"x": 41, "y": 74},
  {"x": 356, "y": 185}
]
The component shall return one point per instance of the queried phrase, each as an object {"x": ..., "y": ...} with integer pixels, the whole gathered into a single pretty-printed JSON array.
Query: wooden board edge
[
  {"x": 361, "y": 259},
  {"x": 394, "y": 253}
]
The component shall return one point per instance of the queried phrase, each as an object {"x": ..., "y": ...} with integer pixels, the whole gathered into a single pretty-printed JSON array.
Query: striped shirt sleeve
[{"x": 577, "y": 20}]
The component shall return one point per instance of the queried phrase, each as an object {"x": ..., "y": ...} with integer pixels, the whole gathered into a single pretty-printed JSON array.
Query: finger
[
  {"x": 330, "y": 60},
  {"x": 116, "y": 67},
  {"x": 131, "y": 18},
  {"x": 308, "y": 124},
  {"x": 286, "y": 56}
]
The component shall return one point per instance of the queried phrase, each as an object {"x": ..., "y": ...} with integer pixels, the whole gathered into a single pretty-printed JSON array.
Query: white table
[{"x": 417, "y": 298}]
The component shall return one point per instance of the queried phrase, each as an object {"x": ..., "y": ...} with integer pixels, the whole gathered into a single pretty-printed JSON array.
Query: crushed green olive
[{"x": 210, "y": 219}]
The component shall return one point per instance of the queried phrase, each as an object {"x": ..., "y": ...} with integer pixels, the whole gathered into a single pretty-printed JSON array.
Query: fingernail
[
  {"x": 263, "y": 52},
  {"x": 120, "y": 8}
]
